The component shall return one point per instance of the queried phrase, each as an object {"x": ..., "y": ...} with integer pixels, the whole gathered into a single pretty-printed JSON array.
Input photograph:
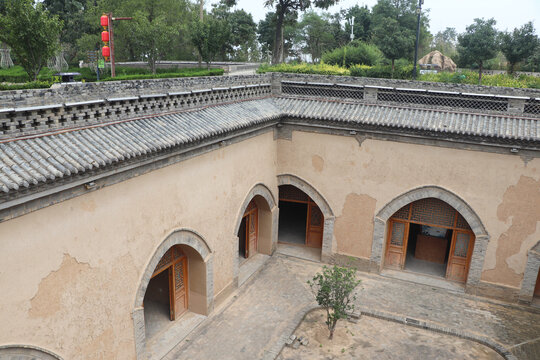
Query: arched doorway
[
  {"x": 26, "y": 352},
  {"x": 256, "y": 232},
  {"x": 185, "y": 296},
  {"x": 249, "y": 231},
  {"x": 325, "y": 250},
  {"x": 431, "y": 237},
  {"x": 301, "y": 222},
  {"x": 167, "y": 295}
]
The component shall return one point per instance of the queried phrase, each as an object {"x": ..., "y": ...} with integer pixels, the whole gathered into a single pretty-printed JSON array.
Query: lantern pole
[{"x": 111, "y": 40}]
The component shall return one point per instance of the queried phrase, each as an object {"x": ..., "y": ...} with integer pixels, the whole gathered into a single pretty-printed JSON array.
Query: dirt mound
[{"x": 441, "y": 62}]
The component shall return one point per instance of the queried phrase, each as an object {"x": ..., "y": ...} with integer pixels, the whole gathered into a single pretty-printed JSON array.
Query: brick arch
[
  {"x": 532, "y": 268},
  {"x": 474, "y": 221},
  {"x": 329, "y": 218},
  {"x": 185, "y": 237},
  {"x": 268, "y": 221},
  {"x": 26, "y": 352},
  {"x": 257, "y": 190}
]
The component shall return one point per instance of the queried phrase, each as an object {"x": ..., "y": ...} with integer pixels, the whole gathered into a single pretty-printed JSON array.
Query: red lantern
[
  {"x": 105, "y": 36},
  {"x": 106, "y": 52},
  {"x": 104, "y": 21}
]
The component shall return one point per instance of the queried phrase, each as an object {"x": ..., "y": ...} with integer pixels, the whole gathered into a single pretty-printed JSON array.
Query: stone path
[{"x": 267, "y": 309}]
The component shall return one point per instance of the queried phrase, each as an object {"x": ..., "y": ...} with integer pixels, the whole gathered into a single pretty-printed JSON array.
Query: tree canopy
[
  {"x": 31, "y": 32},
  {"x": 283, "y": 7},
  {"x": 479, "y": 43},
  {"x": 519, "y": 44}
]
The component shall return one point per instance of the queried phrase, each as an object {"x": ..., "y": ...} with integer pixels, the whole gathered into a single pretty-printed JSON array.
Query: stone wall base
[
  {"x": 495, "y": 291},
  {"x": 225, "y": 293},
  {"x": 360, "y": 264}
]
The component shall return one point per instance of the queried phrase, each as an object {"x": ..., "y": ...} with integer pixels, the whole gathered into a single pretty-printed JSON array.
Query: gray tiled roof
[
  {"x": 421, "y": 119},
  {"x": 31, "y": 161}
]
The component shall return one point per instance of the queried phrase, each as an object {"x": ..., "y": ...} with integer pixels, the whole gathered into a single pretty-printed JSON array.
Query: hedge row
[
  {"x": 192, "y": 72},
  {"x": 17, "y": 74},
  {"x": 303, "y": 68},
  {"x": 29, "y": 85}
]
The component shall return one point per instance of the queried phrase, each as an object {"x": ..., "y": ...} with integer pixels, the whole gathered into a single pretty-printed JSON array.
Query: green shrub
[
  {"x": 303, "y": 68},
  {"x": 29, "y": 85},
  {"x": 471, "y": 77},
  {"x": 358, "y": 53},
  {"x": 17, "y": 74},
  {"x": 180, "y": 73},
  {"x": 382, "y": 71}
]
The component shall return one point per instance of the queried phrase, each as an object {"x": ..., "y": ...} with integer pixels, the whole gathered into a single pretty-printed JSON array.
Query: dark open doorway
[
  {"x": 242, "y": 236},
  {"x": 428, "y": 249},
  {"x": 292, "y": 222},
  {"x": 157, "y": 304}
]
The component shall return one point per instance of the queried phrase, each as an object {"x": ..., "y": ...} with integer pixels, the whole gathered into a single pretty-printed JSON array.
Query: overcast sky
[{"x": 443, "y": 13}]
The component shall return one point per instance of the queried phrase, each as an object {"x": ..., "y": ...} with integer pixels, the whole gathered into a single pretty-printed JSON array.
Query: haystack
[{"x": 437, "y": 58}]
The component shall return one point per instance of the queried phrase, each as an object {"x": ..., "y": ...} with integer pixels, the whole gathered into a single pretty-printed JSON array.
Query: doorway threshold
[
  {"x": 299, "y": 251},
  {"x": 423, "y": 279},
  {"x": 250, "y": 266},
  {"x": 160, "y": 344}
]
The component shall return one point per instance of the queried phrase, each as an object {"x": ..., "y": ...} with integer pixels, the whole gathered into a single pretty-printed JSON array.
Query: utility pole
[
  {"x": 352, "y": 28},
  {"x": 418, "y": 12}
]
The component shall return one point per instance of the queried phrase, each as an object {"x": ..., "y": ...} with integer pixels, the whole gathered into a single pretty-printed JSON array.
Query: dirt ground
[{"x": 373, "y": 338}]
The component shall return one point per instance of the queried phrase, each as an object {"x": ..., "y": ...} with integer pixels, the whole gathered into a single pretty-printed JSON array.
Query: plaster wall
[
  {"x": 70, "y": 271},
  {"x": 358, "y": 178}
]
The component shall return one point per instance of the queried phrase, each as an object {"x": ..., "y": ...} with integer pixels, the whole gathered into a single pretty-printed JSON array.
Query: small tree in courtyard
[{"x": 333, "y": 290}]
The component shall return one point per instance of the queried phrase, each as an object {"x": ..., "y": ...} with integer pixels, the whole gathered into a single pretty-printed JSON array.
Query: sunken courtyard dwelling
[{"x": 128, "y": 205}]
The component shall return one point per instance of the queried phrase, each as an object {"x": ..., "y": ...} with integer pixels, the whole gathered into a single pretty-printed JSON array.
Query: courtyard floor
[{"x": 257, "y": 320}]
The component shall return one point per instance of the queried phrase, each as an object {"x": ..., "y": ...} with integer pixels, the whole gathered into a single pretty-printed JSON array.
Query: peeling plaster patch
[
  {"x": 511, "y": 245},
  {"x": 354, "y": 228},
  {"x": 317, "y": 162},
  {"x": 48, "y": 299},
  {"x": 360, "y": 139},
  {"x": 526, "y": 158}
]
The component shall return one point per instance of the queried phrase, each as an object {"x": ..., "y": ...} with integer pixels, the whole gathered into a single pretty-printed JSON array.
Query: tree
[
  {"x": 266, "y": 32},
  {"x": 71, "y": 12},
  {"x": 152, "y": 37},
  {"x": 31, "y": 32},
  {"x": 394, "y": 31},
  {"x": 284, "y": 7},
  {"x": 315, "y": 31},
  {"x": 478, "y": 44},
  {"x": 362, "y": 22},
  {"x": 518, "y": 45},
  {"x": 394, "y": 40},
  {"x": 333, "y": 290},
  {"x": 445, "y": 41},
  {"x": 210, "y": 37},
  {"x": 243, "y": 31}
]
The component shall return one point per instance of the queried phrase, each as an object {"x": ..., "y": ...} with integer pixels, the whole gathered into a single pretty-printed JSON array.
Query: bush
[
  {"x": 471, "y": 77},
  {"x": 181, "y": 73},
  {"x": 29, "y": 85},
  {"x": 382, "y": 71},
  {"x": 358, "y": 53},
  {"x": 303, "y": 68}
]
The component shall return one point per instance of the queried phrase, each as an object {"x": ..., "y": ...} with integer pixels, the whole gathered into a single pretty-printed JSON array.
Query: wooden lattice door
[
  {"x": 460, "y": 255},
  {"x": 178, "y": 288},
  {"x": 252, "y": 232},
  {"x": 315, "y": 226},
  {"x": 396, "y": 249}
]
